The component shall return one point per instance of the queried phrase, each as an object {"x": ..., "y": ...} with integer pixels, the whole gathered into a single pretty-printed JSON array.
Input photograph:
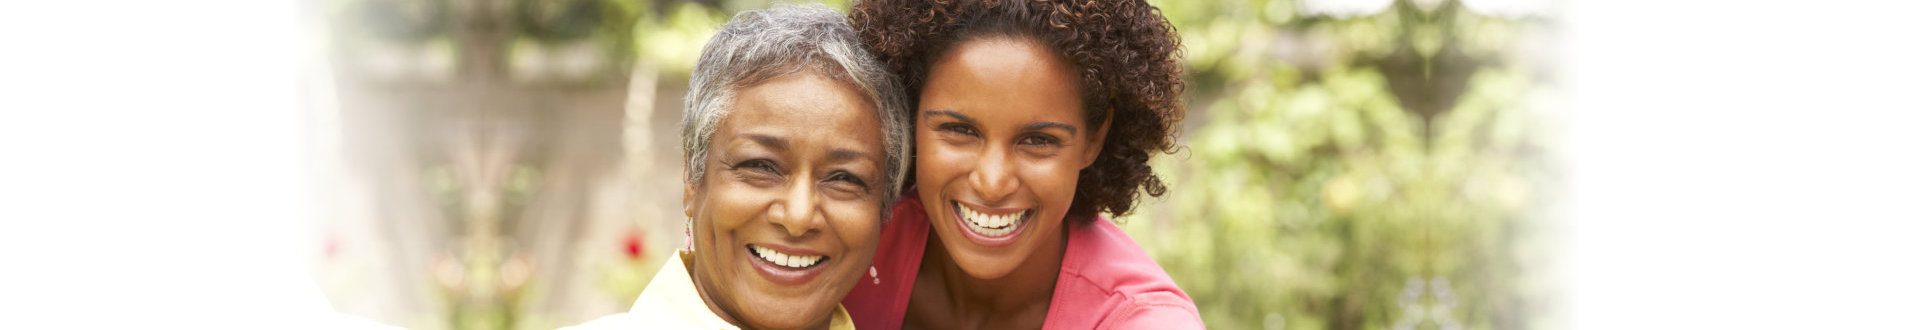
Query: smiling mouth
[
  {"x": 992, "y": 225},
  {"x": 785, "y": 260}
]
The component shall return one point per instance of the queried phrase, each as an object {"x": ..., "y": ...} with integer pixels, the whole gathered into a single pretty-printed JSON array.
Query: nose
[
  {"x": 993, "y": 176},
  {"x": 798, "y": 212}
]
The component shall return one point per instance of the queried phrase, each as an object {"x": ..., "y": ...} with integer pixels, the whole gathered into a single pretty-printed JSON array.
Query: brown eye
[
  {"x": 845, "y": 185},
  {"x": 756, "y": 171},
  {"x": 754, "y": 165},
  {"x": 848, "y": 178},
  {"x": 959, "y": 128},
  {"x": 1038, "y": 140}
]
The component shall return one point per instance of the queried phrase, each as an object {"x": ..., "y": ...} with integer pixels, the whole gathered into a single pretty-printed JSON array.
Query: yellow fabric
[{"x": 671, "y": 301}]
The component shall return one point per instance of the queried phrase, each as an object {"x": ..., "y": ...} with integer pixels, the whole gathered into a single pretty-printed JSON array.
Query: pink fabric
[
  {"x": 1106, "y": 280},
  {"x": 883, "y": 305}
]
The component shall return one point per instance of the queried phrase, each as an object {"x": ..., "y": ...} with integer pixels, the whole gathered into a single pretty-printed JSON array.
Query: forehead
[
  {"x": 806, "y": 105},
  {"x": 1003, "y": 73}
]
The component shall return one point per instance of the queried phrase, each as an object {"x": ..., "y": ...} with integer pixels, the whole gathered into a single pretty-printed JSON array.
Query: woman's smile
[
  {"x": 786, "y": 266},
  {"x": 1002, "y": 137},
  {"x": 787, "y": 215},
  {"x": 1012, "y": 104},
  {"x": 992, "y": 227}
]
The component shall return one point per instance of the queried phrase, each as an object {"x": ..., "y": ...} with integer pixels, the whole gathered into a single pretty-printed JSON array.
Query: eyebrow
[
  {"x": 954, "y": 114},
  {"x": 1071, "y": 130},
  {"x": 768, "y": 140},
  {"x": 841, "y": 154},
  {"x": 1047, "y": 124},
  {"x": 777, "y": 143}
]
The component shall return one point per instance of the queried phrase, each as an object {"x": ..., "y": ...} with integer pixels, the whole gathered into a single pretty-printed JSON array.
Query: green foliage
[
  {"x": 1313, "y": 197},
  {"x": 672, "y": 38}
]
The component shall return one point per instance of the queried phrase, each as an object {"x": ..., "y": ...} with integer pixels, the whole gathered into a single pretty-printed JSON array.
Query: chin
[
  {"x": 774, "y": 311},
  {"x": 983, "y": 265},
  {"x": 787, "y": 318}
]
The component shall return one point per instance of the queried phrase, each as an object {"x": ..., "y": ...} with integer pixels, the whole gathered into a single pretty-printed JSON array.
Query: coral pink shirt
[{"x": 1106, "y": 280}]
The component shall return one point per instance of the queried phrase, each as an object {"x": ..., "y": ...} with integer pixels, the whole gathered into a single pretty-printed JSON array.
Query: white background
[
  {"x": 1745, "y": 165},
  {"x": 150, "y": 166},
  {"x": 1735, "y": 165}
]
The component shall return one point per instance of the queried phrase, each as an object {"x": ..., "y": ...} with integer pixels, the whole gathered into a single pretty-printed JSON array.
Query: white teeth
[
  {"x": 784, "y": 259},
  {"x": 994, "y": 225}
]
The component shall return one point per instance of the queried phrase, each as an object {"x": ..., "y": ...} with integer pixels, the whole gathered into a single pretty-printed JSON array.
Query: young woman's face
[
  {"x": 789, "y": 214},
  {"x": 1001, "y": 137}
]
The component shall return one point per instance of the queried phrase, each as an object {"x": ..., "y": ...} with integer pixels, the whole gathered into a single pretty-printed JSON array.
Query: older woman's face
[
  {"x": 1001, "y": 138},
  {"x": 789, "y": 214}
]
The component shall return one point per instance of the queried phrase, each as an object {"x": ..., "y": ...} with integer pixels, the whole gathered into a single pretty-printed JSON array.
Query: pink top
[{"x": 1106, "y": 280}]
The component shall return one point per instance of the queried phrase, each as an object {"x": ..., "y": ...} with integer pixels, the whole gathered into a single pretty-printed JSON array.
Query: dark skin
[
  {"x": 1000, "y": 131},
  {"x": 942, "y": 300},
  {"x": 794, "y": 168}
]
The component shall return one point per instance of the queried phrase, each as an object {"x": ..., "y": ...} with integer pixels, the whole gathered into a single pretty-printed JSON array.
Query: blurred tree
[
  {"x": 1355, "y": 167},
  {"x": 481, "y": 141}
]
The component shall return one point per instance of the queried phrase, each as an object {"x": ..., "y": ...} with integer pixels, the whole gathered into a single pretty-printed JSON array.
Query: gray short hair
[{"x": 759, "y": 45}]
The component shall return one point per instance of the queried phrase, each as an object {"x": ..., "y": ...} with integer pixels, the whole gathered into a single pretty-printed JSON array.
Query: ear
[
  {"x": 1098, "y": 141},
  {"x": 688, "y": 200}
]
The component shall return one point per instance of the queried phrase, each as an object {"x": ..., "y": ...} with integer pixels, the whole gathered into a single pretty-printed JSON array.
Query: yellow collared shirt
[{"x": 670, "y": 301}]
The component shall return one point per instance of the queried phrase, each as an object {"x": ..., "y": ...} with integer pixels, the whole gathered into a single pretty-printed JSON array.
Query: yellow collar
[{"x": 671, "y": 301}]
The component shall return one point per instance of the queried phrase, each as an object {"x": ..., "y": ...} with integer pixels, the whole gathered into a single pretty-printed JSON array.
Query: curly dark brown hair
[{"x": 1126, "y": 51}]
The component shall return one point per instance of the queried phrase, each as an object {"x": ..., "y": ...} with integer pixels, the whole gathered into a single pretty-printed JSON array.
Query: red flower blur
[{"x": 635, "y": 245}]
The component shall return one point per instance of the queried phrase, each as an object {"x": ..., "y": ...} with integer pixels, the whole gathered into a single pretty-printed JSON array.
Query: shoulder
[
  {"x": 669, "y": 301},
  {"x": 1104, "y": 267},
  {"x": 1100, "y": 254}
]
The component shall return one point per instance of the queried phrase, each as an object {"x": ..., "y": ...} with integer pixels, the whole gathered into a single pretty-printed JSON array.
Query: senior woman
[
  {"x": 1031, "y": 118},
  {"x": 795, "y": 147}
]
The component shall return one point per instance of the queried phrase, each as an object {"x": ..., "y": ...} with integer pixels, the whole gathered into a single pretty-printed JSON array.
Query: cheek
[
  {"x": 937, "y": 161},
  {"x": 1053, "y": 178},
  {"x": 729, "y": 209},
  {"x": 857, "y": 224}
]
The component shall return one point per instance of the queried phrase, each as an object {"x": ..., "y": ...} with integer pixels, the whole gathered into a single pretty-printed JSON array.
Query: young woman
[
  {"x": 1031, "y": 118},
  {"x": 795, "y": 142}
]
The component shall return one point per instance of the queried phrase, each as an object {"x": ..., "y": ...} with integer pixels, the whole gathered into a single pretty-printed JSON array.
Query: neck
[
  {"x": 1029, "y": 287},
  {"x": 700, "y": 285}
]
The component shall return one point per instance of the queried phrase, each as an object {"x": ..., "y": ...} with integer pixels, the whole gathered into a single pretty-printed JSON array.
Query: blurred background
[
  {"x": 501, "y": 164},
  {"x": 1348, "y": 164}
]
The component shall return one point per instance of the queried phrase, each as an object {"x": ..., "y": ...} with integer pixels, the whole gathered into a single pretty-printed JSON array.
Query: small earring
[
  {"x": 689, "y": 243},
  {"x": 875, "y": 273}
]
